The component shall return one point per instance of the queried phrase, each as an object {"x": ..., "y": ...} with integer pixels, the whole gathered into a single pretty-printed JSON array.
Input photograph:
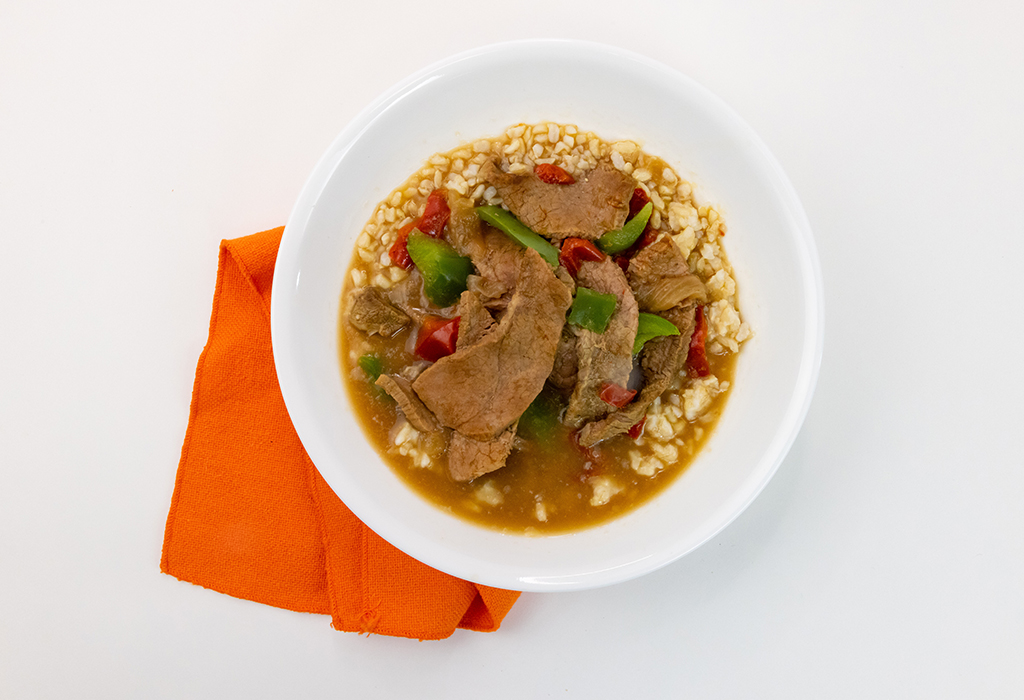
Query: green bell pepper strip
[
  {"x": 444, "y": 271},
  {"x": 372, "y": 365},
  {"x": 651, "y": 326},
  {"x": 592, "y": 310},
  {"x": 540, "y": 420},
  {"x": 620, "y": 240},
  {"x": 519, "y": 232}
]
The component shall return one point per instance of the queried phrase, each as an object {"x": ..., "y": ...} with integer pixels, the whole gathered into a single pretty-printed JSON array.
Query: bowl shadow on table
[{"x": 746, "y": 540}]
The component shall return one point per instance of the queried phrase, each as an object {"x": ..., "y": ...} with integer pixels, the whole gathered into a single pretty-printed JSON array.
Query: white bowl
[{"x": 616, "y": 94}]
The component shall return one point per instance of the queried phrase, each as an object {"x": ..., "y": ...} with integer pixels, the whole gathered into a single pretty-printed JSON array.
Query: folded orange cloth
[{"x": 252, "y": 517}]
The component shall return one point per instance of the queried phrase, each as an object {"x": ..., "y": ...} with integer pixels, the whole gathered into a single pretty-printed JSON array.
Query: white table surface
[{"x": 886, "y": 558}]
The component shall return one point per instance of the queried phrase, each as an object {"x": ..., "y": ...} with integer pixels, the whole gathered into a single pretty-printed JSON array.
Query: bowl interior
[{"x": 617, "y": 95}]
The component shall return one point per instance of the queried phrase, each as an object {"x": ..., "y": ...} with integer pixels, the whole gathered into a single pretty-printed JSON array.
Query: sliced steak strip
[
  {"x": 563, "y": 374},
  {"x": 660, "y": 360},
  {"x": 493, "y": 295},
  {"x": 499, "y": 260},
  {"x": 494, "y": 255},
  {"x": 408, "y": 296},
  {"x": 661, "y": 279},
  {"x": 482, "y": 389},
  {"x": 373, "y": 313},
  {"x": 415, "y": 412},
  {"x": 565, "y": 278},
  {"x": 603, "y": 357},
  {"x": 469, "y": 458},
  {"x": 475, "y": 320},
  {"x": 596, "y": 203},
  {"x": 463, "y": 225}
]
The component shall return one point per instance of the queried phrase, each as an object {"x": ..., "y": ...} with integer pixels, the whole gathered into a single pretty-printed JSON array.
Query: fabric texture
[{"x": 252, "y": 517}]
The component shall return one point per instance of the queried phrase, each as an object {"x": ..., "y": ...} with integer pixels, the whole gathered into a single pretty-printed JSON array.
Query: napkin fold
[{"x": 252, "y": 517}]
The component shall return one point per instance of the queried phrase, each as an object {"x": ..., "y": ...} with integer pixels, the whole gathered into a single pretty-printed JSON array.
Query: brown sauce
[
  {"x": 549, "y": 484},
  {"x": 554, "y": 472}
]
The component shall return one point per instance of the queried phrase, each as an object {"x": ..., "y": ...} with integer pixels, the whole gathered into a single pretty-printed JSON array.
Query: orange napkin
[{"x": 252, "y": 517}]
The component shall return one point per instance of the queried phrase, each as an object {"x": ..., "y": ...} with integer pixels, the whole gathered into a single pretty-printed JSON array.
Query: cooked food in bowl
[{"x": 539, "y": 330}]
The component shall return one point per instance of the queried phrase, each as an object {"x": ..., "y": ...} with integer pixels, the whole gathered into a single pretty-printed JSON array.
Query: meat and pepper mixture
[{"x": 539, "y": 329}]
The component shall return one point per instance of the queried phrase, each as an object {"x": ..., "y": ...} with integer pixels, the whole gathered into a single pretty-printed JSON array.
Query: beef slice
[
  {"x": 480, "y": 390},
  {"x": 596, "y": 203},
  {"x": 603, "y": 357}
]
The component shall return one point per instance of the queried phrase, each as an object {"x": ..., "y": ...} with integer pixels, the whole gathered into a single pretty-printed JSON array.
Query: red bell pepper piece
[
  {"x": 435, "y": 218},
  {"x": 399, "y": 251},
  {"x": 649, "y": 236},
  {"x": 616, "y": 395},
  {"x": 552, "y": 174},
  {"x": 638, "y": 429},
  {"x": 437, "y": 337},
  {"x": 697, "y": 358},
  {"x": 435, "y": 214},
  {"x": 638, "y": 201},
  {"x": 576, "y": 250}
]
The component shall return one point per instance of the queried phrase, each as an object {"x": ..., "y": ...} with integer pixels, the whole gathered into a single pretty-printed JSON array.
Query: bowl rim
[{"x": 811, "y": 352}]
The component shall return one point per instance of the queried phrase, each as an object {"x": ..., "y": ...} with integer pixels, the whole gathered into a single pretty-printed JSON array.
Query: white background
[{"x": 886, "y": 558}]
